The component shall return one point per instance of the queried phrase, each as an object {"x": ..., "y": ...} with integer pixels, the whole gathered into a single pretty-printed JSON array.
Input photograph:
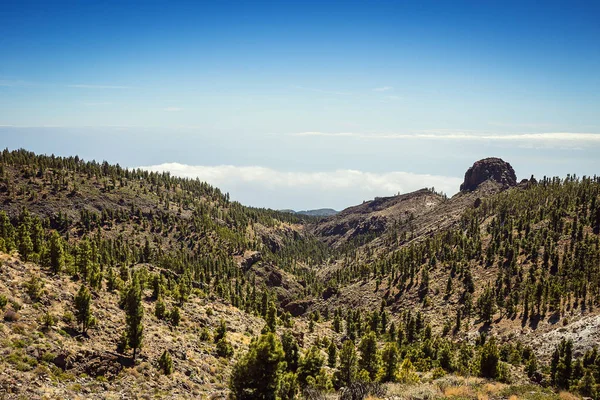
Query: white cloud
[
  {"x": 172, "y": 109},
  {"x": 551, "y": 138},
  {"x": 266, "y": 187},
  {"x": 383, "y": 89}
]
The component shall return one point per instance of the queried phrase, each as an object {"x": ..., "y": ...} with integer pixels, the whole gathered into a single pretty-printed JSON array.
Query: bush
[
  {"x": 48, "y": 320},
  {"x": 34, "y": 287},
  {"x": 224, "y": 348},
  {"x": 258, "y": 373},
  {"x": 503, "y": 373},
  {"x": 488, "y": 364},
  {"x": 175, "y": 316},
  {"x": 205, "y": 335},
  {"x": 165, "y": 363},
  {"x": 160, "y": 310},
  {"x": 3, "y": 301},
  {"x": 309, "y": 365},
  {"x": 68, "y": 317},
  {"x": 407, "y": 372},
  {"x": 221, "y": 331},
  {"x": 288, "y": 388}
]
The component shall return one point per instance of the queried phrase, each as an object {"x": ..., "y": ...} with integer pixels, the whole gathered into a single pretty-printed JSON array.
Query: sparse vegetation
[{"x": 522, "y": 258}]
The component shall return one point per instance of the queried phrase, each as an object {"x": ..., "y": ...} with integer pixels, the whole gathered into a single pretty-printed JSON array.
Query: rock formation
[{"x": 489, "y": 168}]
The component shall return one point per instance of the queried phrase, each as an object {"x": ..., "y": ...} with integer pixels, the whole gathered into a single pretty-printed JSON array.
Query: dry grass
[
  {"x": 567, "y": 396},
  {"x": 458, "y": 391},
  {"x": 513, "y": 397},
  {"x": 493, "y": 388},
  {"x": 413, "y": 391}
]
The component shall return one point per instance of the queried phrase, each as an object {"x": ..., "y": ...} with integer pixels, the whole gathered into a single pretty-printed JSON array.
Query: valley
[{"x": 492, "y": 293}]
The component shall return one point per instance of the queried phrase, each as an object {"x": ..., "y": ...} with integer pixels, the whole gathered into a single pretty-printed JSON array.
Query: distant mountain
[{"x": 321, "y": 212}]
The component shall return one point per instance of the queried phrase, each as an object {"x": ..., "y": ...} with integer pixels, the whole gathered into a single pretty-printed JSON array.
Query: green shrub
[
  {"x": 205, "y": 334},
  {"x": 224, "y": 348},
  {"x": 257, "y": 375},
  {"x": 165, "y": 363},
  {"x": 160, "y": 309}
]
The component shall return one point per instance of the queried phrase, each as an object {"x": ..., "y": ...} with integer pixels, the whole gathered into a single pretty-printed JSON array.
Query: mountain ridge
[{"x": 442, "y": 271}]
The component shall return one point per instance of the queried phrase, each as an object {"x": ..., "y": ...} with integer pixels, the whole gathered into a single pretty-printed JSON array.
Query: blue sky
[{"x": 306, "y": 104}]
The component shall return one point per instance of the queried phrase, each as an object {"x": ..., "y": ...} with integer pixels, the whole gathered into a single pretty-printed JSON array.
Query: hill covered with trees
[{"x": 118, "y": 282}]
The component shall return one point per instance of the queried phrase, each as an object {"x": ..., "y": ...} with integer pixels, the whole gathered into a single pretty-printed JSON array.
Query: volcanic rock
[{"x": 492, "y": 168}]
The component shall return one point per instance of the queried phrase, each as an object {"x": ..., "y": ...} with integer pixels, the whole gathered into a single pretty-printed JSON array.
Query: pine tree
[
  {"x": 221, "y": 331},
  {"x": 83, "y": 313},
  {"x": 175, "y": 316},
  {"x": 84, "y": 261},
  {"x": 257, "y": 375},
  {"x": 391, "y": 358},
  {"x": 165, "y": 363},
  {"x": 160, "y": 309},
  {"x": 25, "y": 243},
  {"x": 57, "y": 256},
  {"x": 369, "y": 356},
  {"x": 271, "y": 317},
  {"x": 291, "y": 351},
  {"x": 348, "y": 365},
  {"x": 486, "y": 305},
  {"x": 587, "y": 386},
  {"x": 490, "y": 357},
  {"x": 310, "y": 365},
  {"x": 134, "y": 313},
  {"x": 224, "y": 348},
  {"x": 332, "y": 355},
  {"x": 337, "y": 323}
]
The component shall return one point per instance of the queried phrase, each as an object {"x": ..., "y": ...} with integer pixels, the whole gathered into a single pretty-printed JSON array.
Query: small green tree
[
  {"x": 391, "y": 358},
  {"x": 257, "y": 375},
  {"x": 490, "y": 356},
  {"x": 25, "y": 243},
  {"x": 291, "y": 350},
  {"x": 57, "y": 256},
  {"x": 34, "y": 287},
  {"x": 310, "y": 365},
  {"x": 221, "y": 331},
  {"x": 337, "y": 323},
  {"x": 288, "y": 388},
  {"x": 224, "y": 348},
  {"x": 369, "y": 356},
  {"x": 486, "y": 305},
  {"x": 587, "y": 386},
  {"x": 84, "y": 259},
  {"x": 134, "y": 314},
  {"x": 348, "y": 365},
  {"x": 271, "y": 317},
  {"x": 175, "y": 316},
  {"x": 160, "y": 309},
  {"x": 165, "y": 363},
  {"x": 332, "y": 355},
  {"x": 83, "y": 313}
]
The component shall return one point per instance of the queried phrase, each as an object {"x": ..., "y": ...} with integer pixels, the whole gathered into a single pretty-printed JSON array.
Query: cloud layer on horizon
[
  {"x": 568, "y": 139},
  {"x": 266, "y": 187}
]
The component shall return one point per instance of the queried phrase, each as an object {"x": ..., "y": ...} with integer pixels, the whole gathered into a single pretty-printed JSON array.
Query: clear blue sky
[{"x": 305, "y": 89}]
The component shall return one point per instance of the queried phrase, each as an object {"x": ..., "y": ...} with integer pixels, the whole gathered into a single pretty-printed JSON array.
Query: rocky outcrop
[
  {"x": 492, "y": 168},
  {"x": 249, "y": 259},
  {"x": 298, "y": 307}
]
